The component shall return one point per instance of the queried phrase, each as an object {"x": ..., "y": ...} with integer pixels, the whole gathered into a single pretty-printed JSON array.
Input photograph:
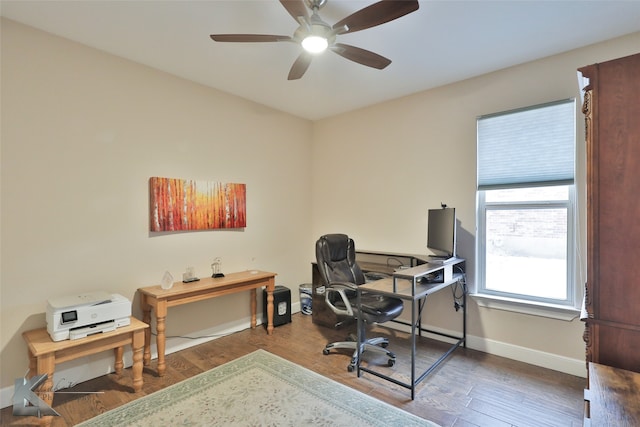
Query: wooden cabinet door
[{"x": 613, "y": 174}]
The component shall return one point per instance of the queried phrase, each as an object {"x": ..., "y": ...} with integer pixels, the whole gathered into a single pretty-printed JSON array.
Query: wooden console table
[
  {"x": 44, "y": 353},
  {"x": 158, "y": 299}
]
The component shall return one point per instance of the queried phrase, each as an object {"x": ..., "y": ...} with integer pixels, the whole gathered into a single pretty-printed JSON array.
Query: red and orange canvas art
[{"x": 183, "y": 204}]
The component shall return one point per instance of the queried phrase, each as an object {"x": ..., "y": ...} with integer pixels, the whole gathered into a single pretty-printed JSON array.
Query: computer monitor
[{"x": 441, "y": 232}]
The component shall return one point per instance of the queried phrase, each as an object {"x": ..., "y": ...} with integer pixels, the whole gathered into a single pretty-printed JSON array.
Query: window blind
[{"x": 533, "y": 146}]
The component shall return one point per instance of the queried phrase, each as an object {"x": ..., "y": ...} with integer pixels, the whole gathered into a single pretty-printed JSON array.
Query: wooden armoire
[{"x": 612, "y": 300}]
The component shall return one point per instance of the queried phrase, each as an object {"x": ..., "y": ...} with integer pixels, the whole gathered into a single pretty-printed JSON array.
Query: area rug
[{"x": 259, "y": 389}]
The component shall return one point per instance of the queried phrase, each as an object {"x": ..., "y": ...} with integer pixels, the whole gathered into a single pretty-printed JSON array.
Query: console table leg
[
  {"x": 161, "y": 315},
  {"x": 146, "y": 318},
  {"x": 137, "y": 344},
  {"x": 161, "y": 343},
  {"x": 270, "y": 289},
  {"x": 253, "y": 297}
]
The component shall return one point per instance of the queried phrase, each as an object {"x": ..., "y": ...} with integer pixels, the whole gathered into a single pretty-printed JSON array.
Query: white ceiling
[{"x": 442, "y": 42}]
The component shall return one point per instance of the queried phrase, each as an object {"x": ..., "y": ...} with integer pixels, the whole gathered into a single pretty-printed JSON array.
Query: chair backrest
[{"x": 336, "y": 257}]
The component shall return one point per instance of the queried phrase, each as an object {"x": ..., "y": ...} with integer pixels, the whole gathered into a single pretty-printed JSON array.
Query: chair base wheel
[{"x": 374, "y": 345}]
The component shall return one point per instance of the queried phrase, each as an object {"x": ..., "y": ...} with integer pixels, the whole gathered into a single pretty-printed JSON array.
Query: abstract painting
[{"x": 183, "y": 204}]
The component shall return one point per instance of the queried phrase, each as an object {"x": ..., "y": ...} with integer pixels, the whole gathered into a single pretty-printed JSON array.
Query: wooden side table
[{"x": 44, "y": 353}]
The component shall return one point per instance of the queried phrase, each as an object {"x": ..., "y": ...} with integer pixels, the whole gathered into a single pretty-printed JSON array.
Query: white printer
[{"x": 79, "y": 316}]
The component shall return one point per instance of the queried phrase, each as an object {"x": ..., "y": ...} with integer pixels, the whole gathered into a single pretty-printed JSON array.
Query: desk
[
  {"x": 612, "y": 397},
  {"x": 407, "y": 284},
  {"x": 158, "y": 299},
  {"x": 387, "y": 262},
  {"x": 44, "y": 353}
]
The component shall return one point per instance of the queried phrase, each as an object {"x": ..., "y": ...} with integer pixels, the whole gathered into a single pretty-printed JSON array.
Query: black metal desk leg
[
  {"x": 359, "y": 337},
  {"x": 464, "y": 315},
  {"x": 414, "y": 322}
]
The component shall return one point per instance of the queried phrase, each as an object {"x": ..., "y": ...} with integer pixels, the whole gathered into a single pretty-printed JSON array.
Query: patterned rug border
[{"x": 371, "y": 411}]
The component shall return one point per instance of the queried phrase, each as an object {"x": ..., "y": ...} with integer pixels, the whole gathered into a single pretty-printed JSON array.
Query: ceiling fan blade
[
  {"x": 361, "y": 56},
  {"x": 376, "y": 14},
  {"x": 249, "y": 38},
  {"x": 295, "y": 8},
  {"x": 300, "y": 66}
]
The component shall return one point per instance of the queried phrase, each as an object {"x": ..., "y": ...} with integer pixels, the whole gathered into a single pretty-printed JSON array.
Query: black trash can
[{"x": 281, "y": 306}]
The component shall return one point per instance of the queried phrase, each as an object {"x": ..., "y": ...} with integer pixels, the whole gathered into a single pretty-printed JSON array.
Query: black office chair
[{"x": 341, "y": 275}]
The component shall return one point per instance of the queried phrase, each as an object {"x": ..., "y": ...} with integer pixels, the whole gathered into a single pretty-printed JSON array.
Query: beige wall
[
  {"x": 82, "y": 132},
  {"x": 378, "y": 170}
]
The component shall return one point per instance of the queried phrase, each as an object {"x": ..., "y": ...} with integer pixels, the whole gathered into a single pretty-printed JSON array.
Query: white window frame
[{"x": 567, "y": 309}]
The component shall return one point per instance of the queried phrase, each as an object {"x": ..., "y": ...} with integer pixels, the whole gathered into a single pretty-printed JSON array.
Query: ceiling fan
[{"x": 316, "y": 36}]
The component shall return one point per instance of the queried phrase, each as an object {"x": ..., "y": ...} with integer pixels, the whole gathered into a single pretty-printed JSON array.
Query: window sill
[{"x": 526, "y": 307}]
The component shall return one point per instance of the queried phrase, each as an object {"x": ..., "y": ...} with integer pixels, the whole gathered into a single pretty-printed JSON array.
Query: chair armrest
[{"x": 340, "y": 288}]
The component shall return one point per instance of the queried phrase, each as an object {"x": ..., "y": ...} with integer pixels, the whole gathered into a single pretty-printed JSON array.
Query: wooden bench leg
[
  {"x": 119, "y": 363},
  {"x": 46, "y": 365}
]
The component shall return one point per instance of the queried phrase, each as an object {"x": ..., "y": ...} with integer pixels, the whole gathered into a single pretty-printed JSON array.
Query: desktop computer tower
[{"x": 281, "y": 306}]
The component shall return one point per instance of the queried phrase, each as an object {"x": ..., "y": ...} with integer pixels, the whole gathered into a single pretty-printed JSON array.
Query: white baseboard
[{"x": 76, "y": 371}]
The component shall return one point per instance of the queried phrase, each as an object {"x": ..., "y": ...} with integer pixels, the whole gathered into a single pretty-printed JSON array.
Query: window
[{"x": 525, "y": 202}]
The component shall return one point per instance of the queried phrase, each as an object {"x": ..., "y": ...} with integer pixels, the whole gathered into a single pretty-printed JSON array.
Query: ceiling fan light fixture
[
  {"x": 315, "y": 35},
  {"x": 315, "y": 44}
]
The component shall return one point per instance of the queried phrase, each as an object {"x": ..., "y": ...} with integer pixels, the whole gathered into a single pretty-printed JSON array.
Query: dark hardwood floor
[{"x": 470, "y": 388}]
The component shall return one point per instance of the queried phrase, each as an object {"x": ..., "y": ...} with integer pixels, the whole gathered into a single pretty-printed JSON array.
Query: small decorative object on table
[
  {"x": 216, "y": 267},
  {"x": 189, "y": 276},
  {"x": 167, "y": 280}
]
